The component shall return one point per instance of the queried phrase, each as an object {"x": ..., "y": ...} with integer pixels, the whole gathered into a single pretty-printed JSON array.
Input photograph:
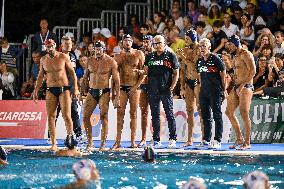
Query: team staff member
[
  {"x": 162, "y": 68},
  {"x": 212, "y": 74}
]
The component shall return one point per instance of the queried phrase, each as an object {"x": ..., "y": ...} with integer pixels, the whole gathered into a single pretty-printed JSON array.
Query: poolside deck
[{"x": 257, "y": 149}]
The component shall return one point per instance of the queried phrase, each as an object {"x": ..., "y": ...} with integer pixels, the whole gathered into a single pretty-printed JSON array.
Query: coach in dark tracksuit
[
  {"x": 212, "y": 73},
  {"x": 162, "y": 67}
]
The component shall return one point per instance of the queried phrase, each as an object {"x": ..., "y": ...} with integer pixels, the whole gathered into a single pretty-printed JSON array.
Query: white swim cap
[
  {"x": 194, "y": 183},
  {"x": 255, "y": 180},
  {"x": 83, "y": 169}
]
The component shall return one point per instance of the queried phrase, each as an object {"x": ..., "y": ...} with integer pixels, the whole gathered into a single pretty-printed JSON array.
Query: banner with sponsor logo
[
  {"x": 267, "y": 118},
  {"x": 22, "y": 119}
]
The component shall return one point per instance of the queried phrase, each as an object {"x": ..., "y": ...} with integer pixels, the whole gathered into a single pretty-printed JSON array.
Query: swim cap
[
  {"x": 194, "y": 183},
  {"x": 148, "y": 37},
  {"x": 255, "y": 180},
  {"x": 83, "y": 169},
  {"x": 70, "y": 142},
  {"x": 3, "y": 154},
  {"x": 126, "y": 36},
  {"x": 49, "y": 42},
  {"x": 192, "y": 34},
  {"x": 100, "y": 44},
  {"x": 149, "y": 154},
  {"x": 235, "y": 40}
]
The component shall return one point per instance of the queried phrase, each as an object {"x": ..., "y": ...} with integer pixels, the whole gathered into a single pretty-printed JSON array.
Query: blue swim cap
[
  {"x": 149, "y": 154},
  {"x": 3, "y": 154},
  {"x": 148, "y": 37},
  {"x": 192, "y": 34},
  {"x": 235, "y": 40},
  {"x": 70, "y": 142}
]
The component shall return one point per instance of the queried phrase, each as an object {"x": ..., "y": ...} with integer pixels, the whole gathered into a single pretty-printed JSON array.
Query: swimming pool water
[{"x": 35, "y": 169}]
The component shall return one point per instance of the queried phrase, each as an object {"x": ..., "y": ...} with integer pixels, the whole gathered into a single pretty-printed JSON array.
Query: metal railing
[
  {"x": 60, "y": 31},
  {"x": 112, "y": 20},
  {"x": 141, "y": 10},
  {"x": 85, "y": 25}
]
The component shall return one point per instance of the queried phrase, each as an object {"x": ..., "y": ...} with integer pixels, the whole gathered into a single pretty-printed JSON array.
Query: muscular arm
[
  {"x": 182, "y": 74},
  {"x": 175, "y": 78},
  {"x": 141, "y": 63},
  {"x": 223, "y": 79},
  {"x": 69, "y": 68},
  {"x": 251, "y": 69},
  {"x": 115, "y": 78},
  {"x": 40, "y": 77}
]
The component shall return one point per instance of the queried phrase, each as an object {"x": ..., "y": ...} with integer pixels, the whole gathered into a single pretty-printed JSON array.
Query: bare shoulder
[
  {"x": 62, "y": 55},
  {"x": 246, "y": 54},
  {"x": 110, "y": 60},
  {"x": 68, "y": 153}
]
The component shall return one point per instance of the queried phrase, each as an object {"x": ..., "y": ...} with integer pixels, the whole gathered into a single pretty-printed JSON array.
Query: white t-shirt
[
  {"x": 231, "y": 30},
  {"x": 179, "y": 23},
  {"x": 242, "y": 35}
]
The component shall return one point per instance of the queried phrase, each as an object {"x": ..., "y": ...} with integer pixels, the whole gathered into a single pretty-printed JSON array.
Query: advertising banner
[{"x": 22, "y": 119}]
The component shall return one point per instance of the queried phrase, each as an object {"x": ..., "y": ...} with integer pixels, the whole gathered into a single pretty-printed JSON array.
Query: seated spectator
[
  {"x": 159, "y": 23},
  {"x": 200, "y": 30},
  {"x": 8, "y": 82},
  {"x": 275, "y": 65},
  {"x": 117, "y": 49},
  {"x": 96, "y": 35},
  {"x": 28, "y": 86},
  {"x": 193, "y": 12},
  {"x": 85, "y": 41},
  {"x": 170, "y": 23},
  {"x": 247, "y": 31},
  {"x": 256, "y": 180},
  {"x": 187, "y": 23},
  {"x": 269, "y": 9},
  {"x": 236, "y": 17},
  {"x": 121, "y": 32},
  {"x": 145, "y": 30},
  {"x": 276, "y": 91},
  {"x": 90, "y": 50},
  {"x": 229, "y": 28},
  {"x": 267, "y": 51},
  {"x": 133, "y": 25},
  {"x": 176, "y": 15},
  {"x": 137, "y": 41},
  {"x": 214, "y": 13},
  {"x": 204, "y": 18},
  {"x": 218, "y": 37},
  {"x": 260, "y": 79},
  {"x": 11, "y": 56},
  {"x": 255, "y": 17},
  {"x": 260, "y": 42},
  {"x": 279, "y": 43},
  {"x": 109, "y": 39},
  {"x": 176, "y": 42}
]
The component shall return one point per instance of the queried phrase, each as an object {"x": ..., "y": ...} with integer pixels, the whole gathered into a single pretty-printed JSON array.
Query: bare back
[
  {"x": 55, "y": 70},
  {"x": 101, "y": 71},
  {"x": 127, "y": 62},
  {"x": 244, "y": 63}
]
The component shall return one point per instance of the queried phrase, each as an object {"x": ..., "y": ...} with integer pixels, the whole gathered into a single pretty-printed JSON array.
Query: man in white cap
[
  {"x": 109, "y": 40},
  {"x": 96, "y": 36}
]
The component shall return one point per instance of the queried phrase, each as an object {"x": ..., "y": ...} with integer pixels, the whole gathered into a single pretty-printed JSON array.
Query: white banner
[{"x": 181, "y": 122}]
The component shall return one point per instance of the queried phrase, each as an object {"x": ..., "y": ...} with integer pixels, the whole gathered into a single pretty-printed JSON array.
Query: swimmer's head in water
[
  {"x": 85, "y": 169},
  {"x": 149, "y": 154},
  {"x": 194, "y": 183},
  {"x": 3, "y": 154},
  {"x": 192, "y": 34},
  {"x": 256, "y": 180},
  {"x": 70, "y": 142}
]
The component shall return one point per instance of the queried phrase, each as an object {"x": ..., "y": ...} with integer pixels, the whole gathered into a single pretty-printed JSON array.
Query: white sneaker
[
  {"x": 215, "y": 145},
  {"x": 203, "y": 144},
  {"x": 157, "y": 144},
  {"x": 172, "y": 144}
]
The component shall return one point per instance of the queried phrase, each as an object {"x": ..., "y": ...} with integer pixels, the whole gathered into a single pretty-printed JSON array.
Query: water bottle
[{"x": 1, "y": 92}]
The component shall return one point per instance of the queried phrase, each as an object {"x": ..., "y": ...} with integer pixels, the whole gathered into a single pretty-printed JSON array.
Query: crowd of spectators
[{"x": 258, "y": 23}]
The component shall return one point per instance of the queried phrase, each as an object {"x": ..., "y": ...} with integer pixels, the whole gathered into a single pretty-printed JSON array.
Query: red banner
[{"x": 22, "y": 119}]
